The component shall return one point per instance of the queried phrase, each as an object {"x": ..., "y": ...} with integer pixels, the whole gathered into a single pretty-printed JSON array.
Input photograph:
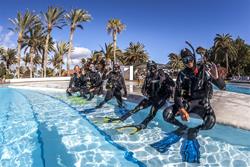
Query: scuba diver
[
  {"x": 100, "y": 66},
  {"x": 100, "y": 63},
  {"x": 156, "y": 89},
  {"x": 85, "y": 83},
  {"x": 95, "y": 81},
  {"x": 192, "y": 96},
  {"x": 74, "y": 84},
  {"x": 115, "y": 83}
]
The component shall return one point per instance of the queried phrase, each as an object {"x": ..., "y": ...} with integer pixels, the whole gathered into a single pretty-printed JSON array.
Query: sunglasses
[{"x": 187, "y": 59}]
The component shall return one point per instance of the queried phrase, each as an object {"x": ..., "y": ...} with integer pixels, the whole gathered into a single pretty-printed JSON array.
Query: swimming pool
[
  {"x": 238, "y": 88},
  {"x": 45, "y": 128}
]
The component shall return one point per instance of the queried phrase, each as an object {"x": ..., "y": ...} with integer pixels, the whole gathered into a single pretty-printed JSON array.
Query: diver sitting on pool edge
[
  {"x": 192, "y": 95},
  {"x": 115, "y": 83},
  {"x": 156, "y": 89},
  {"x": 75, "y": 83}
]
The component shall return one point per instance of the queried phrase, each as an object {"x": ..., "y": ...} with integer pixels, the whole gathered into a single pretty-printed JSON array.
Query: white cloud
[
  {"x": 80, "y": 52},
  {"x": 77, "y": 55},
  {"x": 5, "y": 39}
]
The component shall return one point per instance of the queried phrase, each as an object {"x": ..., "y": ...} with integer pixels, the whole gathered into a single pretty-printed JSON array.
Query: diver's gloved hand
[
  {"x": 213, "y": 71},
  {"x": 111, "y": 120},
  {"x": 68, "y": 92},
  {"x": 184, "y": 114}
]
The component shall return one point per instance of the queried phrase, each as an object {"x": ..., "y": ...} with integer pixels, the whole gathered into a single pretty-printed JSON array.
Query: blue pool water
[
  {"x": 238, "y": 88},
  {"x": 45, "y": 128}
]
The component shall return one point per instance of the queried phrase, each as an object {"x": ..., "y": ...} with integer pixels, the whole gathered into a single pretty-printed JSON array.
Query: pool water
[
  {"x": 45, "y": 128},
  {"x": 238, "y": 88}
]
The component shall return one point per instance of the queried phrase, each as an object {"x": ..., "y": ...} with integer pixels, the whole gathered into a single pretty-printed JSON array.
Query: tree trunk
[
  {"x": 114, "y": 47},
  {"x": 42, "y": 64},
  {"x": 19, "y": 43},
  {"x": 238, "y": 70},
  {"x": 46, "y": 54},
  {"x": 70, "y": 49},
  {"x": 227, "y": 63},
  {"x": 31, "y": 61},
  {"x": 7, "y": 66},
  {"x": 60, "y": 69}
]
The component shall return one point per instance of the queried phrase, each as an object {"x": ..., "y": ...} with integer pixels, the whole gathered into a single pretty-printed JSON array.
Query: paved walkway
[{"x": 232, "y": 109}]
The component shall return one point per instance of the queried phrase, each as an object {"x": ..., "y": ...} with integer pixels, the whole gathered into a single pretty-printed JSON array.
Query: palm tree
[
  {"x": 115, "y": 26},
  {"x": 108, "y": 52},
  {"x": 175, "y": 62},
  {"x": 21, "y": 24},
  {"x": 37, "y": 61},
  {"x": 95, "y": 54},
  {"x": 52, "y": 18},
  {"x": 75, "y": 18},
  {"x": 223, "y": 45},
  {"x": 55, "y": 61},
  {"x": 61, "y": 49},
  {"x": 42, "y": 51},
  {"x": 32, "y": 42},
  {"x": 135, "y": 54},
  {"x": 243, "y": 56},
  {"x": 9, "y": 57},
  {"x": 26, "y": 59},
  {"x": 1, "y": 50}
]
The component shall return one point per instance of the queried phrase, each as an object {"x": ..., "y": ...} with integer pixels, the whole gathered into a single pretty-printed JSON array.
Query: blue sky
[{"x": 161, "y": 25}]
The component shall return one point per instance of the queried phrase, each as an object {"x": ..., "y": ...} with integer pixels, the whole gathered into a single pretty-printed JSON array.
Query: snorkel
[{"x": 194, "y": 55}]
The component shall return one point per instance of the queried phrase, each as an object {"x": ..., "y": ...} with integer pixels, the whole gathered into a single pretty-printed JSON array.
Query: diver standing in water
[
  {"x": 192, "y": 95},
  {"x": 156, "y": 89},
  {"x": 115, "y": 83}
]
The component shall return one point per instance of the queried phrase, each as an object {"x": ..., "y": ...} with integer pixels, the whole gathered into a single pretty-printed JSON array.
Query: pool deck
[{"x": 231, "y": 108}]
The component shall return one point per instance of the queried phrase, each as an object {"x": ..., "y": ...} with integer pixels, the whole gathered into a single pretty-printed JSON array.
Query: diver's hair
[
  {"x": 76, "y": 67},
  {"x": 186, "y": 52},
  {"x": 151, "y": 63}
]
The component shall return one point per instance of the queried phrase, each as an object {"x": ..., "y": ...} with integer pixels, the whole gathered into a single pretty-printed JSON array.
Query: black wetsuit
[
  {"x": 193, "y": 92},
  {"x": 115, "y": 83},
  {"x": 157, "y": 89},
  {"x": 100, "y": 65},
  {"x": 74, "y": 84},
  {"x": 95, "y": 83},
  {"x": 85, "y": 85}
]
